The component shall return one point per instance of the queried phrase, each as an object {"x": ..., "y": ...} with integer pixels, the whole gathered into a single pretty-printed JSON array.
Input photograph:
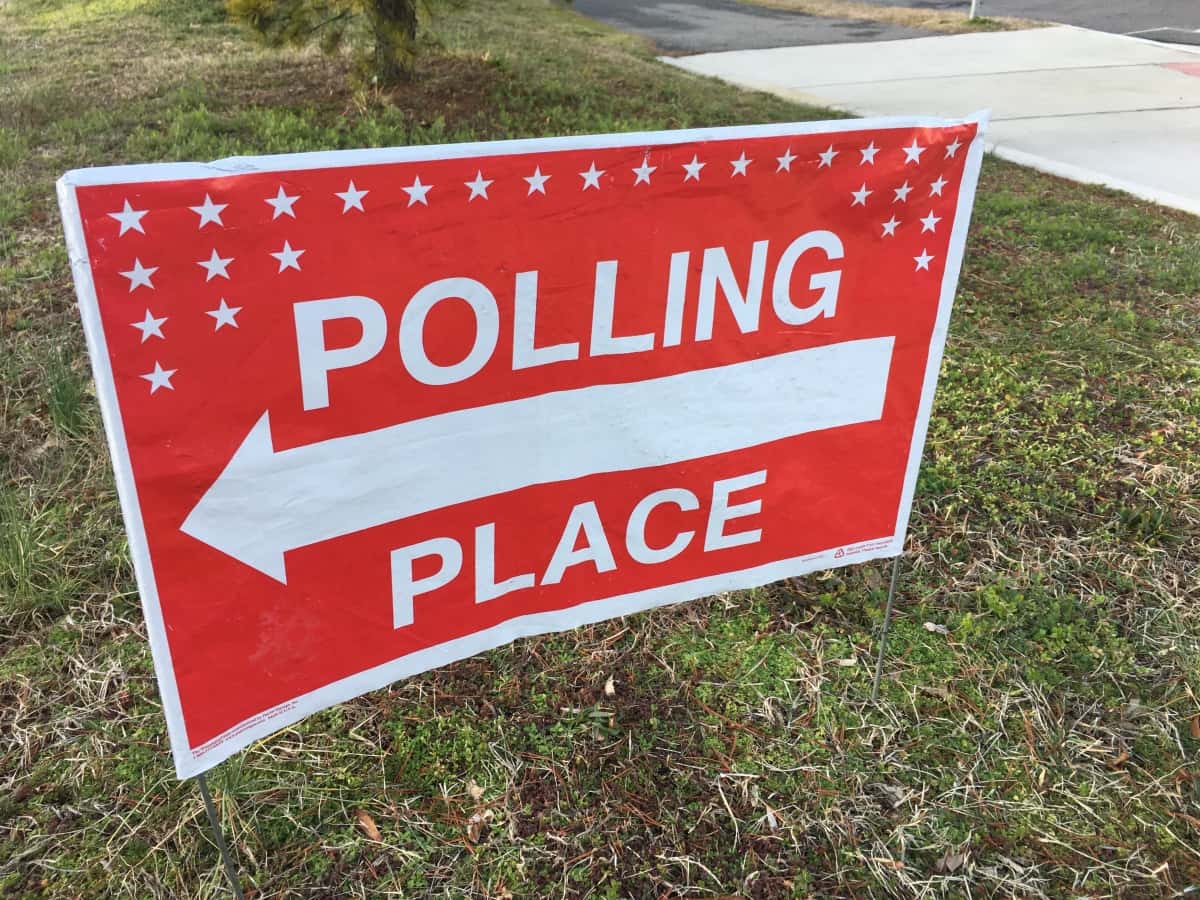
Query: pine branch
[{"x": 344, "y": 14}]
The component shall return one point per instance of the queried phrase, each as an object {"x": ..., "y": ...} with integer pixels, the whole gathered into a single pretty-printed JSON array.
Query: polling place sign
[{"x": 374, "y": 411}]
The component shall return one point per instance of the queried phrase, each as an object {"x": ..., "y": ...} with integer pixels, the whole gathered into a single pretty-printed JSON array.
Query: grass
[{"x": 1039, "y": 728}]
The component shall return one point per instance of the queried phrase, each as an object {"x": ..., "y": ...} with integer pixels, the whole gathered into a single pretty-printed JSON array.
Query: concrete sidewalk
[{"x": 1090, "y": 106}]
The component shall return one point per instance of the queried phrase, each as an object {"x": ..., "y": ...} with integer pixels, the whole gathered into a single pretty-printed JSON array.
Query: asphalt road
[{"x": 703, "y": 26}]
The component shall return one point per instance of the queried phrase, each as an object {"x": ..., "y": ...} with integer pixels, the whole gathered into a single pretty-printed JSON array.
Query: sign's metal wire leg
[
  {"x": 230, "y": 868},
  {"x": 883, "y": 632}
]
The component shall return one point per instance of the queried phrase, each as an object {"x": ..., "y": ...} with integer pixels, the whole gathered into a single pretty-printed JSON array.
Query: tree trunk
[{"x": 395, "y": 39}]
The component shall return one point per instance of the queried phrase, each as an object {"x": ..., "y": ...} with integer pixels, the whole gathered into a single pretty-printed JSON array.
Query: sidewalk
[{"x": 1085, "y": 105}]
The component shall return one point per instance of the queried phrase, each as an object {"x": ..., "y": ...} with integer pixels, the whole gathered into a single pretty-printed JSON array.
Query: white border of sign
[{"x": 193, "y": 761}]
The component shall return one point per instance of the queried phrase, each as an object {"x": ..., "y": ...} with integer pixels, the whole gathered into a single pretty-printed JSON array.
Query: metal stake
[
  {"x": 883, "y": 633},
  {"x": 974, "y": 9},
  {"x": 230, "y": 869}
]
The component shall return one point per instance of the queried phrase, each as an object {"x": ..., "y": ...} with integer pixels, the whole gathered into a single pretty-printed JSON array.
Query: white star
[
  {"x": 828, "y": 155},
  {"x": 209, "y": 211},
  {"x": 591, "y": 178},
  {"x": 130, "y": 219},
  {"x": 860, "y": 196},
  {"x": 139, "y": 275},
  {"x": 923, "y": 261},
  {"x": 416, "y": 192},
  {"x": 351, "y": 198},
  {"x": 643, "y": 172},
  {"x": 929, "y": 223},
  {"x": 693, "y": 168},
  {"x": 952, "y": 149},
  {"x": 913, "y": 153},
  {"x": 889, "y": 227},
  {"x": 537, "y": 182},
  {"x": 479, "y": 186},
  {"x": 150, "y": 326},
  {"x": 289, "y": 258},
  {"x": 282, "y": 204},
  {"x": 739, "y": 164},
  {"x": 936, "y": 186},
  {"x": 785, "y": 161},
  {"x": 216, "y": 266},
  {"x": 902, "y": 193},
  {"x": 868, "y": 154},
  {"x": 160, "y": 377},
  {"x": 225, "y": 314}
]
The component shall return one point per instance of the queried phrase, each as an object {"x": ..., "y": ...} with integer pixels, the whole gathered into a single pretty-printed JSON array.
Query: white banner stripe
[{"x": 266, "y": 502}]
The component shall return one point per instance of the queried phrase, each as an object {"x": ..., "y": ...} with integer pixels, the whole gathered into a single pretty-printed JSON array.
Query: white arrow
[{"x": 266, "y": 503}]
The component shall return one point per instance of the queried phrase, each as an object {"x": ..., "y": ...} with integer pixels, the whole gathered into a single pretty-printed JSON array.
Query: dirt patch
[{"x": 459, "y": 89}]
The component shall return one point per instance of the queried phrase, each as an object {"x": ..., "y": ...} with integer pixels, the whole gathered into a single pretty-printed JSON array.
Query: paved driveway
[{"x": 703, "y": 26}]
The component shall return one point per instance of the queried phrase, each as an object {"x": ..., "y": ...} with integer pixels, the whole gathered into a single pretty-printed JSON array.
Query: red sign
[{"x": 374, "y": 411}]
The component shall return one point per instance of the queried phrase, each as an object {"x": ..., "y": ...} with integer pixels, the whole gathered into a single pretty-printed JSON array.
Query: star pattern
[
  {"x": 417, "y": 192},
  {"x": 352, "y": 198},
  {"x": 209, "y": 212},
  {"x": 282, "y": 204},
  {"x": 537, "y": 182},
  {"x": 225, "y": 317},
  {"x": 150, "y": 326},
  {"x": 216, "y": 266},
  {"x": 644, "y": 171},
  {"x": 130, "y": 219},
  {"x": 591, "y": 178},
  {"x": 289, "y": 258},
  {"x": 479, "y": 187},
  {"x": 160, "y": 378},
  {"x": 139, "y": 275}
]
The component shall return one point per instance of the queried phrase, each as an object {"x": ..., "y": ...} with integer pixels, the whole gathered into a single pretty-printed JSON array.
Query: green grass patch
[{"x": 1039, "y": 728}]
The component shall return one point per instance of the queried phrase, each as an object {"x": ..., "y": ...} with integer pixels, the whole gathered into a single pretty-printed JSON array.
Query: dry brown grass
[{"x": 944, "y": 21}]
